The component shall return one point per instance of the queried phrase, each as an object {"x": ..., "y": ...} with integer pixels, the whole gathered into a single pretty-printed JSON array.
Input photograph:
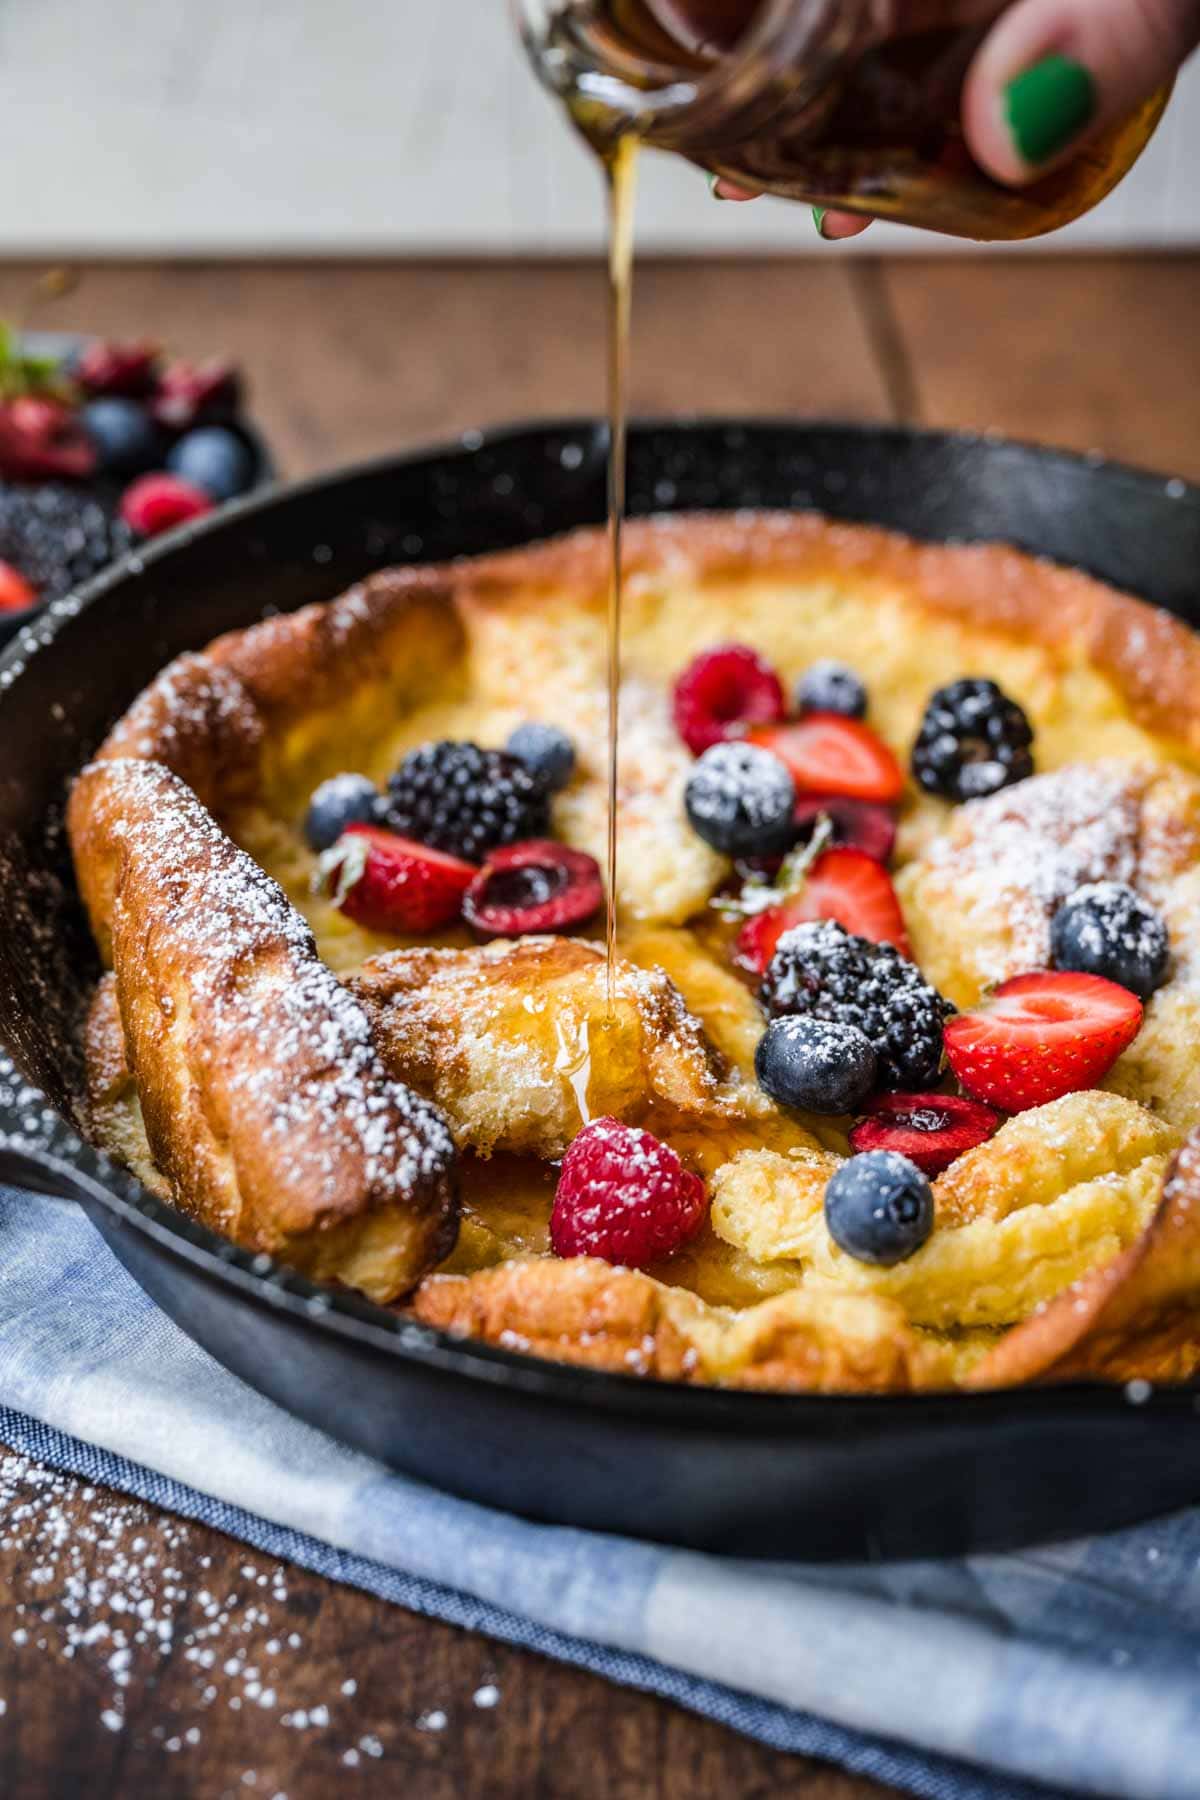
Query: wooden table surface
[{"x": 144, "y": 1656}]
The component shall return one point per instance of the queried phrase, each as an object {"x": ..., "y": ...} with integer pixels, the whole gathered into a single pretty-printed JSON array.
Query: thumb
[{"x": 1053, "y": 72}]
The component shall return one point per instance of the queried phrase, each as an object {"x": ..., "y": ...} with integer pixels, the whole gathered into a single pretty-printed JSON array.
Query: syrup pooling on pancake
[
  {"x": 523, "y": 1043},
  {"x": 761, "y": 1292}
]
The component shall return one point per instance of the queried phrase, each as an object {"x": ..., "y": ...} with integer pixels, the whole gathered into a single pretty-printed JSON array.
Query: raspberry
[
  {"x": 157, "y": 503},
  {"x": 722, "y": 691},
  {"x": 625, "y": 1197},
  {"x": 465, "y": 800},
  {"x": 42, "y": 440}
]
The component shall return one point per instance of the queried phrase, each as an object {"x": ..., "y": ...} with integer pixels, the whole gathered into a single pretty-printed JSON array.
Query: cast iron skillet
[{"x": 754, "y": 1474}]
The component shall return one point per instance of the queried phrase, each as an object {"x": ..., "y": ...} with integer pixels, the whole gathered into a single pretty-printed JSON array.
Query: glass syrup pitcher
[{"x": 852, "y": 104}]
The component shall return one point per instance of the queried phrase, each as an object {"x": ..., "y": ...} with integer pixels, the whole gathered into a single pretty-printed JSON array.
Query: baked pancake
[{"x": 395, "y": 1059}]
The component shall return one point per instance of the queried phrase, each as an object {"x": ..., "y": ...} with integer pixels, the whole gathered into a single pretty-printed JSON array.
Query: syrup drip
[
  {"x": 574, "y": 1060},
  {"x": 620, "y": 170}
]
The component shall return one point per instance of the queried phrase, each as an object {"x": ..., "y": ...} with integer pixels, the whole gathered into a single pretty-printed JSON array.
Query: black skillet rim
[{"x": 272, "y": 1285}]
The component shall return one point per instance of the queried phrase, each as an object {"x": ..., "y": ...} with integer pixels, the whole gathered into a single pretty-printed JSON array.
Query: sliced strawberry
[
  {"x": 1042, "y": 1036},
  {"x": 859, "y": 824},
  {"x": 932, "y": 1130},
  {"x": 16, "y": 595},
  {"x": 533, "y": 886},
  {"x": 390, "y": 883},
  {"x": 830, "y": 754},
  {"x": 721, "y": 692},
  {"x": 843, "y": 884}
]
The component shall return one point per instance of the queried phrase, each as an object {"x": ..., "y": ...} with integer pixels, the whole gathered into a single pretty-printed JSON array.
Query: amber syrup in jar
[{"x": 853, "y": 104}]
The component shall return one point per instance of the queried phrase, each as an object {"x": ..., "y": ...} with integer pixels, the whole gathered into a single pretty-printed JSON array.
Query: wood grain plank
[
  {"x": 349, "y": 361},
  {"x": 194, "y": 1721},
  {"x": 1091, "y": 353}
]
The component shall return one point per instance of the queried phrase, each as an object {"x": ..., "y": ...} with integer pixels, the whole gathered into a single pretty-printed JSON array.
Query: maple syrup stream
[{"x": 620, "y": 172}]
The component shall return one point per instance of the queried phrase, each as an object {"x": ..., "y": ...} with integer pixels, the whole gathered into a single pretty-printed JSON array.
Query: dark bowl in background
[
  {"x": 755, "y": 1474},
  {"x": 64, "y": 344}
]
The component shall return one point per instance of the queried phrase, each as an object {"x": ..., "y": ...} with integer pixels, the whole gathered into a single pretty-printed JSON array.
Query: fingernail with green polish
[
  {"x": 1047, "y": 106},
  {"x": 819, "y": 219}
]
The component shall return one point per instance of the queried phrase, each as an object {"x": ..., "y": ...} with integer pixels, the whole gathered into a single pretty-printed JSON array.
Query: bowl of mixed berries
[{"x": 102, "y": 446}]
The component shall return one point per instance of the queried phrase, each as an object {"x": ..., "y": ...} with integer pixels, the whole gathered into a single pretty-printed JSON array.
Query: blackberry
[
  {"x": 821, "y": 970},
  {"x": 58, "y": 537},
  {"x": 464, "y": 800},
  {"x": 973, "y": 741}
]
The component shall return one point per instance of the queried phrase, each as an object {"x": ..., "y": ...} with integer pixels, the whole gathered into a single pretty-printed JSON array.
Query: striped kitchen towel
[{"x": 1075, "y": 1668}]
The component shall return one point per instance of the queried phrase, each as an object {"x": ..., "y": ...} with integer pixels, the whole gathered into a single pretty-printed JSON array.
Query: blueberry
[
  {"x": 215, "y": 459},
  {"x": 342, "y": 800},
  {"x": 1106, "y": 929},
  {"x": 815, "y": 1065},
  {"x": 127, "y": 440},
  {"x": 547, "y": 753},
  {"x": 831, "y": 687},
  {"x": 740, "y": 800},
  {"x": 879, "y": 1208}
]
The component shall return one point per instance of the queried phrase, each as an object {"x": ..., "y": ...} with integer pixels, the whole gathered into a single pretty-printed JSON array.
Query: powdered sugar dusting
[
  {"x": 316, "y": 1084},
  {"x": 1017, "y": 855},
  {"x": 191, "y": 694}
]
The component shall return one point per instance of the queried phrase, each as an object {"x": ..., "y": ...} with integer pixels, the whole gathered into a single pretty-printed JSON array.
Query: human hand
[{"x": 1049, "y": 75}]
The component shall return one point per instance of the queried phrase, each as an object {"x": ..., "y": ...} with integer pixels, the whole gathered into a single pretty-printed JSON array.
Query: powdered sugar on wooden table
[{"x": 104, "y": 1588}]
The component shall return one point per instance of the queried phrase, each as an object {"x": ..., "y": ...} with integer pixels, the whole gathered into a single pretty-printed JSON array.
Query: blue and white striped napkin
[{"x": 994, "y": 1677}]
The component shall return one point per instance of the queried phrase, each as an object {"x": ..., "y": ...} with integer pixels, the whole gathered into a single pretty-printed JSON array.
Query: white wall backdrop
[{"x": 276, "y": 127}]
